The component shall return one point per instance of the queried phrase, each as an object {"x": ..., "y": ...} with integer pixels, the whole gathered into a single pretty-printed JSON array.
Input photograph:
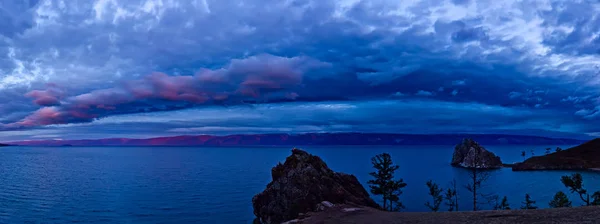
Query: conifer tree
[
  {"x": 384, "y": 184},
  {"x": 560, "y": 200},
  {"x": 596, "y": 198},
  {"x": 503, "y": 205},
  {"x": 528, "y": 203},
  {"x": 436, "y": 193}
]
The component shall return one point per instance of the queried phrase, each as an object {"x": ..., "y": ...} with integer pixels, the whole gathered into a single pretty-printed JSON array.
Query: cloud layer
[{"x": 509, "y": 65}]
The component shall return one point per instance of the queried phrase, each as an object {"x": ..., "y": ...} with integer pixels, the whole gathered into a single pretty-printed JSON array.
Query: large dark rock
[
  {"x": 583, "y": 157},
  {"x": 303, "y": 182},
  {"x": 469, "y": 154}
]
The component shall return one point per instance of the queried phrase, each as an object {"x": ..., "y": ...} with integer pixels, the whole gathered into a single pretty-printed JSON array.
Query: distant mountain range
[{"x": 311, "y": 139}]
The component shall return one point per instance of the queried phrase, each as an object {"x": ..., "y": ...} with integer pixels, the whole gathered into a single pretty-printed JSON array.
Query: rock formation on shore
[
  {"x": 301, "y": 184},
  {"x": 583, "y": 157},
  {"x": 469, "y": 154}
]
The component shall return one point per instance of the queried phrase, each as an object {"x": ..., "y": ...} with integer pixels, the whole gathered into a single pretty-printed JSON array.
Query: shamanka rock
[
  {"x": 469, "y": 154},
  {"x": 302, "y": 184}
]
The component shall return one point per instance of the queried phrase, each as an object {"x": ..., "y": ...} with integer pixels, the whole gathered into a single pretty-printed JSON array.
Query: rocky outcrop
[
  {"x": 469, "y": 154},
  {"x": 583, "y": 157},
  {"x": 304, "y": 183}
]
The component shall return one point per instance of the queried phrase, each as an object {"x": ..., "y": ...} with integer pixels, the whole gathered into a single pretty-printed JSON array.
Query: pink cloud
[
  {"x": 49, "y": 97},
  {"x": 261, "y": 77},
  {"x": 43, "y": 116}
]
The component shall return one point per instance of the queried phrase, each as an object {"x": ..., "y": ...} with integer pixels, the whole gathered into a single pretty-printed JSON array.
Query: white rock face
[
  {"x": 351, "y": 209},
  {"x": 324, "y": 205},
  {"x": 327, "y": 204}
]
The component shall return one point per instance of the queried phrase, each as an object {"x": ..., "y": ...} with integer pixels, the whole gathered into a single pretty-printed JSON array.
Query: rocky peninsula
[{"x": 583, "y": 157}]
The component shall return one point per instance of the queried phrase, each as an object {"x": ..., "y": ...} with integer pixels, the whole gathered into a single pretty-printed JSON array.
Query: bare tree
[{"x": 477, "y": 178}]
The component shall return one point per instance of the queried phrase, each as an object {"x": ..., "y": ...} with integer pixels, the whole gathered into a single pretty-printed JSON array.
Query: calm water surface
[{"x": 215, "y": 185}]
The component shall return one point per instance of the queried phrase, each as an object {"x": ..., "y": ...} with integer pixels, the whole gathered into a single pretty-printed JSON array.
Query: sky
[{"x": 83, "y": 69}]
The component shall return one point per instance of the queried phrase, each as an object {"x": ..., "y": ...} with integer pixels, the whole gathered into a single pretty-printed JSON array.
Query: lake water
[{"x": 216, "y": 185}]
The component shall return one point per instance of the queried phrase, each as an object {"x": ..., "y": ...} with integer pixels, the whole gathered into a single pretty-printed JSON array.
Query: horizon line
[{"x": 306, "y": 133}]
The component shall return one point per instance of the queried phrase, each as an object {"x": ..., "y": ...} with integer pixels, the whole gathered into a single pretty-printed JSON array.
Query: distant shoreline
[
  {"x": 311, "y": 139},
  {"x": 266, "y": 146}
]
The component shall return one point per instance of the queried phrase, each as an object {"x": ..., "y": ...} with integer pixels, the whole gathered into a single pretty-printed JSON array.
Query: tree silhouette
[
  {"x": 503, "y": 205},
  {"x": 596, "y": 198},
  {"x": 451, "y": 197},
  {"x": 477, "y": 178},
  {"x": 384, "y": 183},
  {"x": 528, "y": 203},
  {"x": 575, "y": 185},
  {"x": 560, "y": 200},
  {"x": 395, "y": 203},
  {"x": 436, "y": 193}
]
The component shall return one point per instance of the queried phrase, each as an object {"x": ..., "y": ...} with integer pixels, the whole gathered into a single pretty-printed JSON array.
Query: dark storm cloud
[{"x": 67, "y": 62}]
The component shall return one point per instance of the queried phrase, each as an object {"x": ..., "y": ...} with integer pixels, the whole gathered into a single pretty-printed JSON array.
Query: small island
[
  {"x": 583, "y": 157},
  {"x": 469, "y": 154}
]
